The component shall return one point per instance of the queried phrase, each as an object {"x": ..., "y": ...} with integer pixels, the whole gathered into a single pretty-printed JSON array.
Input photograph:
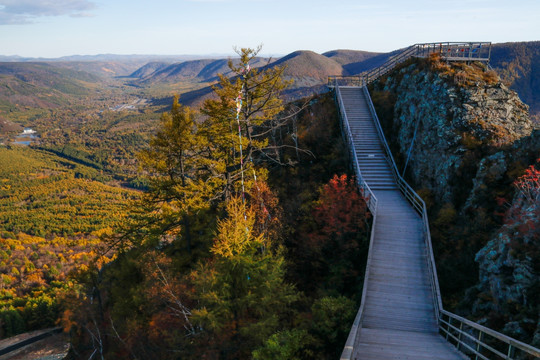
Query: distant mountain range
[
  {"x": 518, "y": 64},
  {"x": 195, "y": 70},
  {"x": 110, "y": 65},
  {"x": 308, "y": 70},
  {"x": 112, "y": 57}
]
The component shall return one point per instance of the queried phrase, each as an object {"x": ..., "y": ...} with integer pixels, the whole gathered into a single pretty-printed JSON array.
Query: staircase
[
  {"x": 399, "y": 319},
  {"x": 369, "y": 151},
  {"x": 401, "y": 314}
]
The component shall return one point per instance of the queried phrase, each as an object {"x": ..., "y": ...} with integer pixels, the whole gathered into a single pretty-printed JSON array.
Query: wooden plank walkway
[{"x": 399, "y": 318}]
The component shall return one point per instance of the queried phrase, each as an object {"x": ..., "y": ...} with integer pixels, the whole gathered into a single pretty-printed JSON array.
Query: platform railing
[
  {"x": 371, "y": 200},
  {"x": 475, "y": 340},
  {"x": 480, "y": 342},
  {"x": 448, "y": 51},
  {"x": 337, "y": 80}
]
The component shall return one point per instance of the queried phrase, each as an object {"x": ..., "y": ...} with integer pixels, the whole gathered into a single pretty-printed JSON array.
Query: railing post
[
  {"x": 511, "y": 352},
  {"x": 480, "y": 337},
  {"x": 459, "y": 335},
  {"x": 448, "y": 327}
]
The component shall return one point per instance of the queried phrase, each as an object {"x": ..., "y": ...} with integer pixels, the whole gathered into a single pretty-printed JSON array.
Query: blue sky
[{"x": 52, "y": 28}]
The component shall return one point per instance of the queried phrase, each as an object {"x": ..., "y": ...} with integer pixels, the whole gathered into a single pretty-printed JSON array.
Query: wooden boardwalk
[{"x": 399, "y": 318}]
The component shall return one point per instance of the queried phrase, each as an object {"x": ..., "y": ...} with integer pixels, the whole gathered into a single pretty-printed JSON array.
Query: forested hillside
[
  {"x": 41, "y": 86},
  {"x": 519, "y": 66},
  {"x": 121, "y": 173},
  {"x": 234, "y": 252},
  {"x": 52, "y": 212}
]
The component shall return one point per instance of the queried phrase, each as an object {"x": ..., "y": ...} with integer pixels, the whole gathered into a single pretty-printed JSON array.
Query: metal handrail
[
  {"x": 345, "y": 80},
  {"x": 418, "y": 205},
  {"x": 362, "y": 184},
  {"x": 449, "y": 51},
  {"x": 372, "y": 205},
  {"x": 463, "y": 337}
]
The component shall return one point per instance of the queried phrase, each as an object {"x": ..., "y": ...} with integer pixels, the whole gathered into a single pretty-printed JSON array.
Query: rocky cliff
[
  {"x": 509, "y": 285},
  {"x": 462, "y": 138},
  {"x": 437, "y": 120}
]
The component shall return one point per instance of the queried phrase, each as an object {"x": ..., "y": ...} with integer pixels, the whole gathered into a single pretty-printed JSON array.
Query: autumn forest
[{"x": 174, "y": 212}]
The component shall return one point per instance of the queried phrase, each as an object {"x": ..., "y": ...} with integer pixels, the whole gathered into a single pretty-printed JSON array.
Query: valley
[{"x": 76, "y": 141}]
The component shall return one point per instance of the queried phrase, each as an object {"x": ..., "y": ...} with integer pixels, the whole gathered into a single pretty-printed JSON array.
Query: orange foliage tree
[
  {"x": 524, "y": 213},
  {"x": 340, "y": 211},
  {"x": 334, "y": 248}
]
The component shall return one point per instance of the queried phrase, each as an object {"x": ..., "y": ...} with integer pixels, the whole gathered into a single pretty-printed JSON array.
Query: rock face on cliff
[
  {"x": 464, "y": 138},
  {"x": 446, "y": 119},
  {"x": 509, "y": 270}
]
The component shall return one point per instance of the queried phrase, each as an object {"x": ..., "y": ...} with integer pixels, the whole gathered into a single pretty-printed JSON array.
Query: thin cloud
[
  {"x": 224, "y": 1},
  {"x": 28, "y": 11},
  {"x": 82, "y": 15}
]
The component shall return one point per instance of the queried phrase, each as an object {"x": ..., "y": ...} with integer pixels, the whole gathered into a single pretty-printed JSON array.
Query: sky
[{"x": 54, "y": 28}]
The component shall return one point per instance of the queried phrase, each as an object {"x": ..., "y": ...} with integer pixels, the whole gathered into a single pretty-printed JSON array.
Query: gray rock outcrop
[{"x": 464, "y": 143}]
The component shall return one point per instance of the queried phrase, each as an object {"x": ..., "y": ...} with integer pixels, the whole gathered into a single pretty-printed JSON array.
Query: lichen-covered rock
[
  {"x": 445, "y": 120},
  {"x": 504, "y": 276},
  {"x": 508, "y": 265}
]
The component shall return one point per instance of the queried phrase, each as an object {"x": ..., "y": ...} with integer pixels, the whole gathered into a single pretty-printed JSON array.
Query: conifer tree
[
  {"x": 196, "y": 166},
  {"x": 241, "y": 293},
  {"x": 242, "y": 119},
  {"x": 180, "y": 191},
  {"x": 173, "y": 161}
]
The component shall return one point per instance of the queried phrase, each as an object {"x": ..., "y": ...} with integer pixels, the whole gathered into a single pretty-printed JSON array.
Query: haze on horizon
[{"x": 41, "y": 28}]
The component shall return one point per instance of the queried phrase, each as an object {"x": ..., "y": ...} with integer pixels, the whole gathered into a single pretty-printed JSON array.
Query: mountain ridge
[
  {"x": 201, "y": 70},
  {"x": 307, "y": 69},
  {"x": 517, "y": 62}
]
